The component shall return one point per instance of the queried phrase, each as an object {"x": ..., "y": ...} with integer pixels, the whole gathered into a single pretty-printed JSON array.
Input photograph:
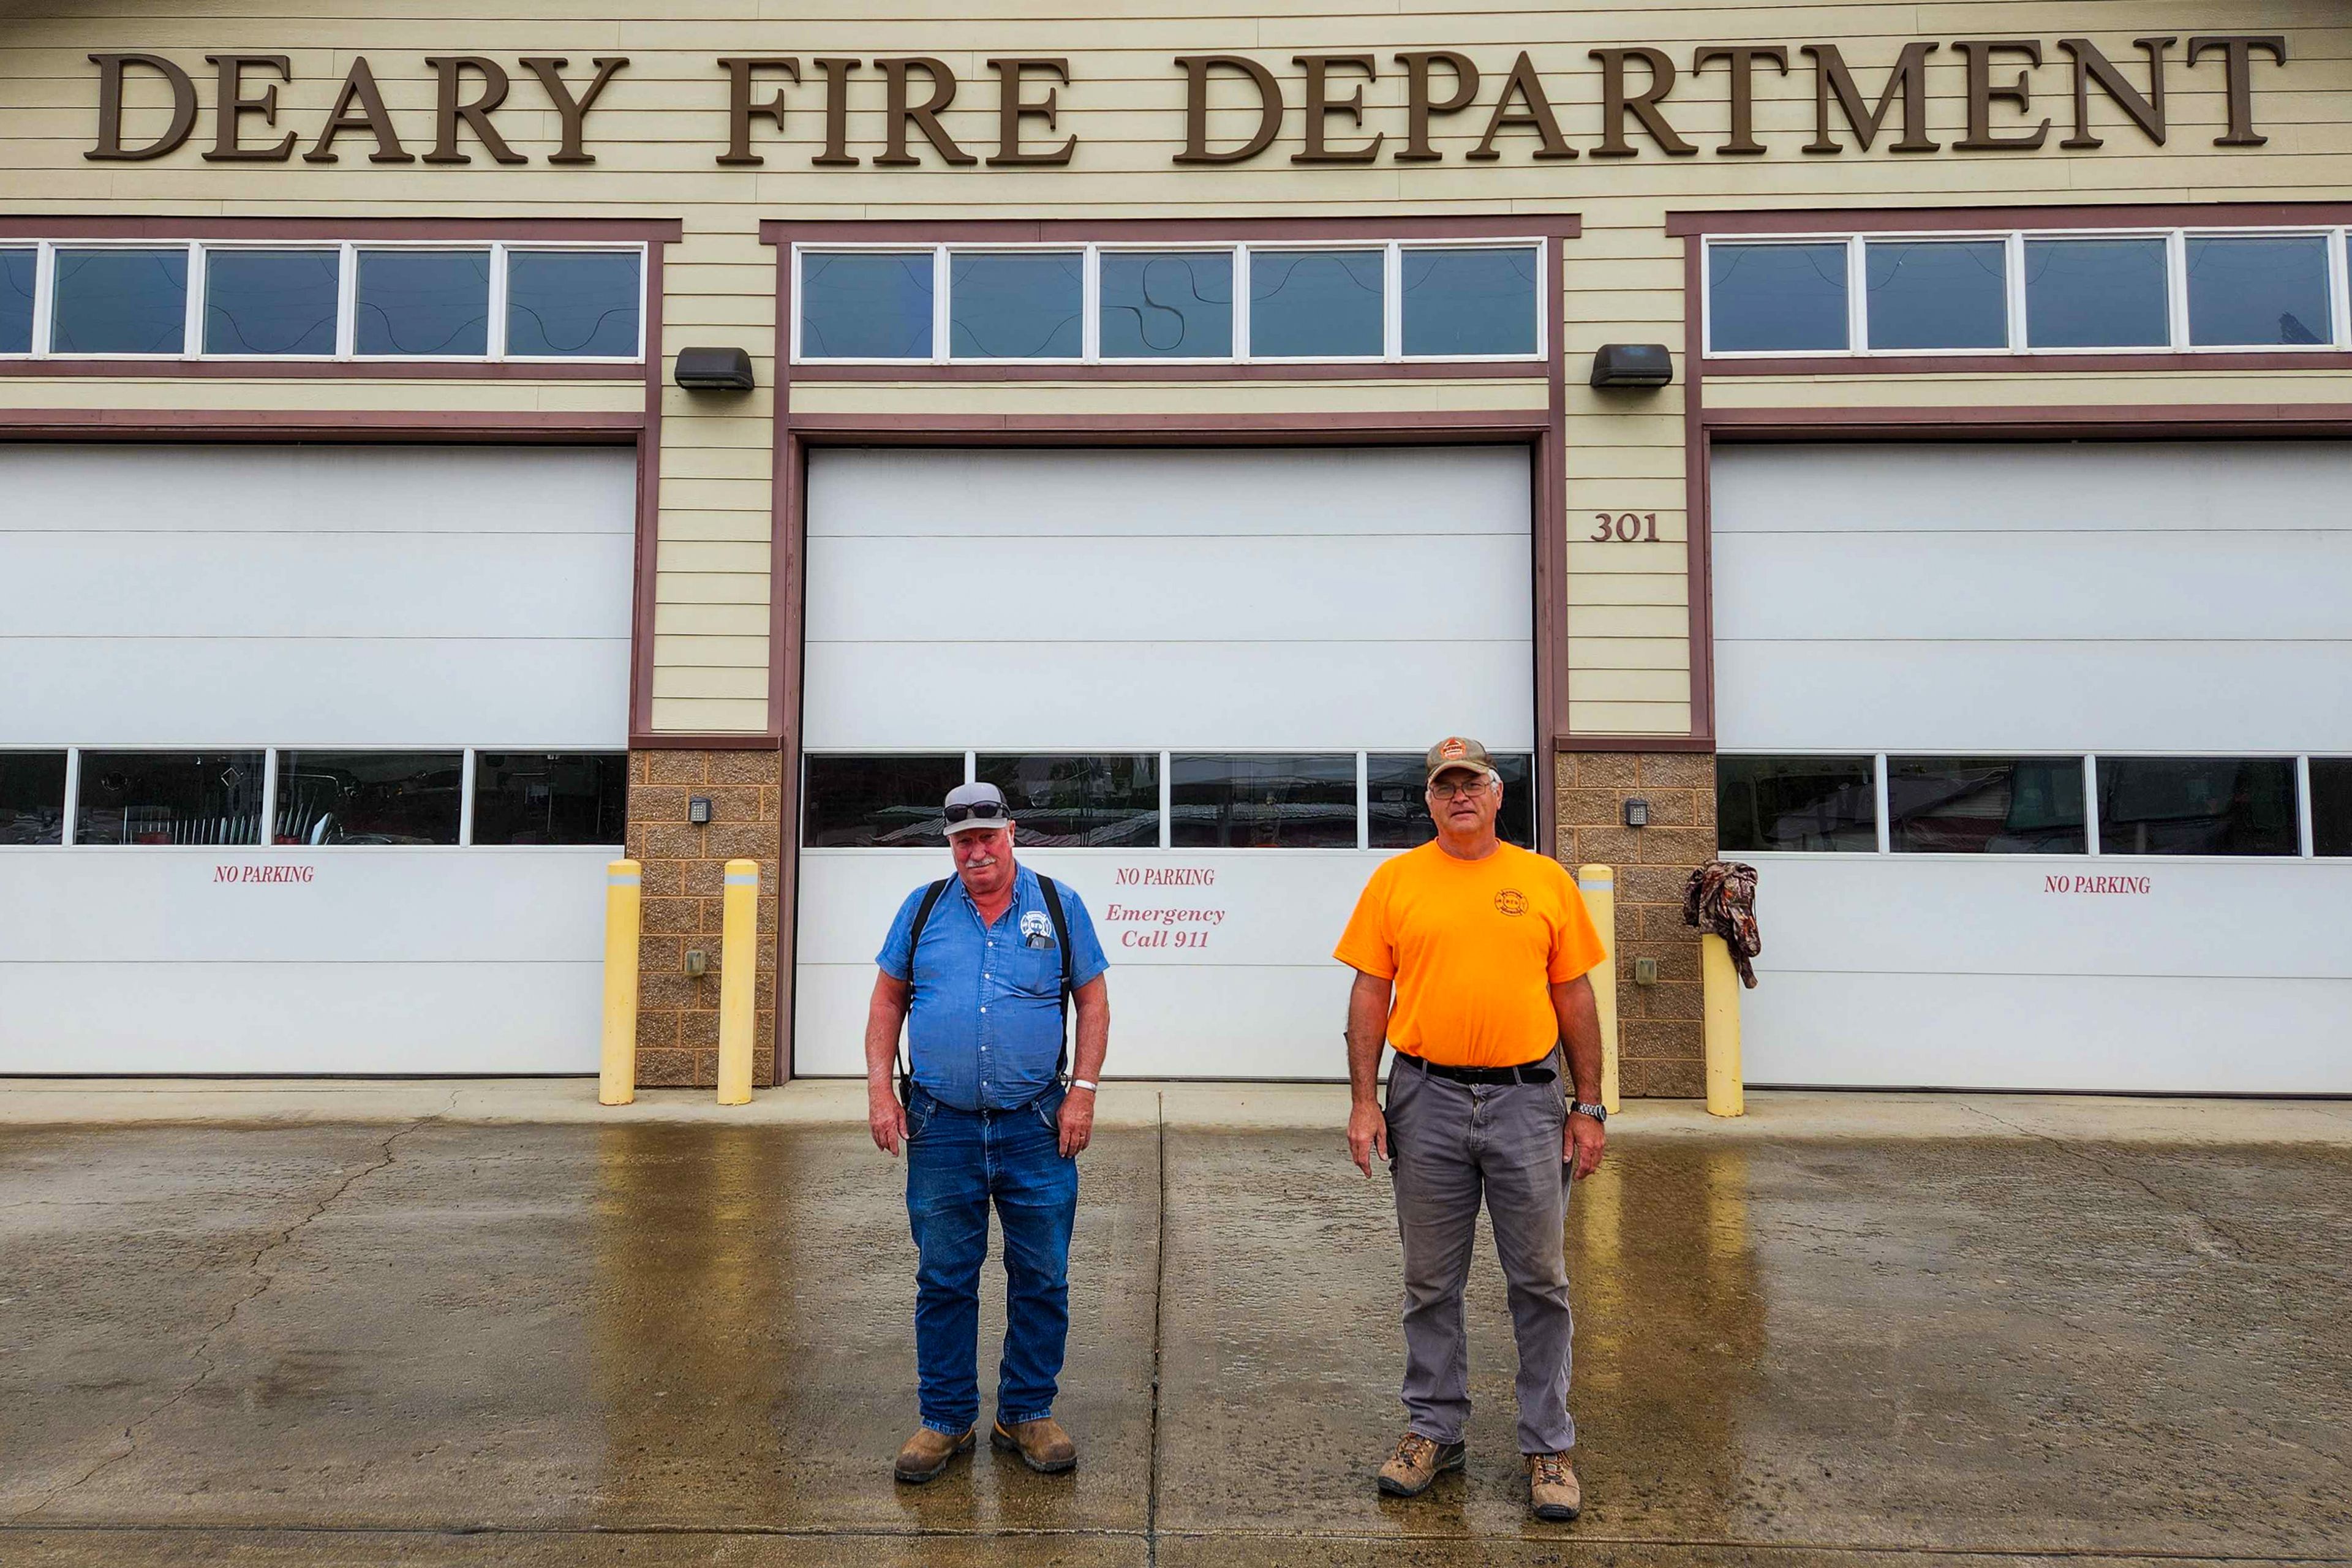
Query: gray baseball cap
[{"x": 976, "y": 806}]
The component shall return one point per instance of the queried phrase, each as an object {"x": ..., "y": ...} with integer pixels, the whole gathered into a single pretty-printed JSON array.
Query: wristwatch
[{"x": 1598, "y": 1112}]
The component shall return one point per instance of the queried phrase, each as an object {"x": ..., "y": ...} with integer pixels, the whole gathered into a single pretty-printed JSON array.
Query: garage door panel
[
  {"x": 2155, "y": 1035},
  {"x": 334, "y": 584},
  {"x": 99, "y": 691},
  {"x": 1145, "y": 696},
  {"x": 400, "y": 490},
  {"x": 1995, "y": 915},
  {"x": 1992, "y": 698},
  {"x": 278, "y": 1018},
  {"x": 1178, "y": 589},
  {"x": 150, "y": 904},
  {"x": 2028, "y": 488},
  {"x": 2095, "y": 585},
  {"x": 1136, "y": 493}
]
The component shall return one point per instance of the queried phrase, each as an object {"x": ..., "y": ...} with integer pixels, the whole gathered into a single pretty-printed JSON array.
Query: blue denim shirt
[{"x": 984, "y": 1025}]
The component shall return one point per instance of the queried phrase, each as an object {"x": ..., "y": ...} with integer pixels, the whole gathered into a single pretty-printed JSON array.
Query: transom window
[
  {"x": 1147, "y": 800},
  {"x": 324, "y": 301},
  {"x": 311, "y": 797},
  {"x": 2029, "y": 291},
  {"x": 2101, "y": 805},
  {"x": 1367, "y": 301}
]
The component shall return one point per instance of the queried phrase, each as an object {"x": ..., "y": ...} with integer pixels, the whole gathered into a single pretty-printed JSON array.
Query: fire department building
[{"x": 439, "y": 452}]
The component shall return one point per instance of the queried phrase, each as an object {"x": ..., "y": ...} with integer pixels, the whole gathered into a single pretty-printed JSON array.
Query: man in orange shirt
[{"x": 1470, "y": 956}]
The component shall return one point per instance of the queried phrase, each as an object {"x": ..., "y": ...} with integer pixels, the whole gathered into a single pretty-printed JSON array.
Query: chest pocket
[{"x": 1029, "y": 969}]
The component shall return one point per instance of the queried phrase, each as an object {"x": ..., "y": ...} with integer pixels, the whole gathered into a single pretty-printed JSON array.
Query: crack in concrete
[
  {"x": 2234, "y": 1246},
  {"x": 263, "y": 1280}
]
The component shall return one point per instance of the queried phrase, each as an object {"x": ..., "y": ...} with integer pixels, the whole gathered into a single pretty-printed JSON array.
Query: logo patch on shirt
[
  {"x": 1036, "y": 930},
  {"x": 1511, "y": 901}
]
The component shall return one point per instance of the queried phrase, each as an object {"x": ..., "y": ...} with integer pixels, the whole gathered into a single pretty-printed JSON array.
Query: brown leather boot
[
  {"x": 1553, "y": 1491},
  {"x": 1417, "y": 1461},
  {"x": 928, "y": 1454},
  {"x": 1042, "y": 1444}
]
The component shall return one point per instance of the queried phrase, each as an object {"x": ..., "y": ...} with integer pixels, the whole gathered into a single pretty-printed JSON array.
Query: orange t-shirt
[{"x": 1473, "y": 947}]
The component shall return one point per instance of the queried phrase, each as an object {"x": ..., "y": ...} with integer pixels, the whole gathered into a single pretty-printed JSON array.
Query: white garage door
[
  {"x": 410, "y": 663},
  {"x": 1204, "y": 675},
  {"x": 2040, "y": 752}
]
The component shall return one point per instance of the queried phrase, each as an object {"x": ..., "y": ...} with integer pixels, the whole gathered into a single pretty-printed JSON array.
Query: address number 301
[{"x": 1625, "y": 528}]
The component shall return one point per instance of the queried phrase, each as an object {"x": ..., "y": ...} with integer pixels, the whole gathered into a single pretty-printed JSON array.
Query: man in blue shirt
[{"x": 976, "y": 968}]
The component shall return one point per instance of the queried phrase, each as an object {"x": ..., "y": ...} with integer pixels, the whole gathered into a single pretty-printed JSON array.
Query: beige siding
[{"x": 659, "y": 125}]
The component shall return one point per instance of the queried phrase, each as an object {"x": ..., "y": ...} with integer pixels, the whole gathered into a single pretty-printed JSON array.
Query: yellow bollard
[
  {"x": 616, "y": 1077},
  {"x": 1725, "y": 1094},
  {"x": 739, "y": 973},
  {"x": 1599, "y": 884}
]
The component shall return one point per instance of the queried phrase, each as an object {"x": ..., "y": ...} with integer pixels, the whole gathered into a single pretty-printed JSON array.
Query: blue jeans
[{"x": 957, "y": 1160}]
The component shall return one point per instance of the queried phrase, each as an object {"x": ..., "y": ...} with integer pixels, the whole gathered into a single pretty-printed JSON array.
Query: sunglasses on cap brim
[{"x": 985, "y": 811}]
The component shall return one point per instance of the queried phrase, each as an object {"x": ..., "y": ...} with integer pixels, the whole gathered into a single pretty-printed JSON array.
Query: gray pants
[{"x": 1449, "y": 1143}]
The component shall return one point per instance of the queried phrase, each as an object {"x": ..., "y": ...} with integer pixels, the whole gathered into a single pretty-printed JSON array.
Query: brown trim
[
  {"x": 179, "y": 369},
  {"x": 710, "y": 740},
  {"x": 2116, "y": 215},
  {"x": 1426, "y": 428},
  {"x": 313, "y": 425},
  {"x": 2124, "y": 422},
  {"x": 1547, "y": 518},
  {"x": 1699, "y": 509},
  {"x": 1634, "y": 742},
  {"x": 645, "y": 582},
  {"x": 2215, "y": 362},
  {"x": 1529, "y": 369},
  {"x": 651, "y": 231},
  {"x": 1080, "y": 231}
]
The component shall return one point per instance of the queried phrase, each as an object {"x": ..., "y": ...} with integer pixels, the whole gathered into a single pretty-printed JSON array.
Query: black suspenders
[{"x": 1051, "y": 890}]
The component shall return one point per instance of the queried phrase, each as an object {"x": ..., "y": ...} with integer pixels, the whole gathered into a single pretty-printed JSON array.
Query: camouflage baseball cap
[{"x": 1456, "y": 751}]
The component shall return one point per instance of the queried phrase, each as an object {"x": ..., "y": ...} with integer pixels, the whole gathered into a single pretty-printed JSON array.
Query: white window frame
[
  {"x": 347, "y": 254},
  {"x": 1091, "y": 253},
  {"x": 2021, "y": 344}
]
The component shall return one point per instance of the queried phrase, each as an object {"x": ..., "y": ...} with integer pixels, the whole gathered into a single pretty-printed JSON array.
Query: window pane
[
  {"x": 1021, "y": 306},
  {"x": 1795, "y": 803},
  {"x": 1938, "y": 294},
  {"x": 1765, "y": 299},
  {"x": 270, "y": 301},
  {"x": 541, "y": 797},
  {"x": 866, "y": 305},
  {"x": 2259, "y": 291},
  {"x": 562, "y": 303},
  {"x": 1469, "y": 302},
  {"x": 17, "y": 270},
  {"x": 121, "y": 303},
  {"x": 31, "y": 797},
  {"x": 1398, "y": 783},
  {"x": 877, "y": 802},
  {"x": 1248, "y": 803},
  {"x": 168, "y": 798},
  {"x": 1324, "y": 304},
  {"x": 1986, "y": 805},
  {"x": 368, "y": 797},
  {"x": 1167, "y": 305},
  {"x": 2331, "y": 806},
  {"x": 2197, "y": 806},
  {"x": 423, "y": 303},
  {"x": 2096, "y": 294},
  {"x": 1082, "y": 802}
]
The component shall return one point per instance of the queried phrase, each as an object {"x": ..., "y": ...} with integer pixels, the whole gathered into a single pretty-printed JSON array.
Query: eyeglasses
[
  {"x": 982, "y": 811},
  {"x": 1459, "y": 791}
]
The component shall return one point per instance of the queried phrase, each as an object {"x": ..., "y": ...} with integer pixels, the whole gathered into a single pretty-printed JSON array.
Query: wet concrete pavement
[{"x": 441, "y": 1343}]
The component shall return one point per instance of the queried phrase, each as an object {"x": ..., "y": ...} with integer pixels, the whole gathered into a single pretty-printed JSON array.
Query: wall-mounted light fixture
[
  {"x": 1637, "y": 814},
  {"x": 1632, "y": 364},
  {"x": 698, "y": 963},
  {"x": 713, "y": 370}
]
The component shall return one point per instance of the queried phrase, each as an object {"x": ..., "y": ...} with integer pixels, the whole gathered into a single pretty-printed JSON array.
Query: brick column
[
  {"x": 1660, "y": 1040},
  {"x": 677, "y": 1016}
]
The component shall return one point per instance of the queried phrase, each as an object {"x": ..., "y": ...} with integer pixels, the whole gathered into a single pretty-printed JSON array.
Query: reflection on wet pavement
[{"x": 667, "y": 1344}]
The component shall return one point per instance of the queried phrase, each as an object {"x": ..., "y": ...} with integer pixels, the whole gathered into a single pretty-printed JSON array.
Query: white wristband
[{"x": 1081, "y": 1083}]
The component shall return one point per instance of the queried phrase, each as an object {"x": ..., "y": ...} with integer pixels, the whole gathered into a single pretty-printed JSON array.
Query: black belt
[{"x": 1534, "y": 1072}]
